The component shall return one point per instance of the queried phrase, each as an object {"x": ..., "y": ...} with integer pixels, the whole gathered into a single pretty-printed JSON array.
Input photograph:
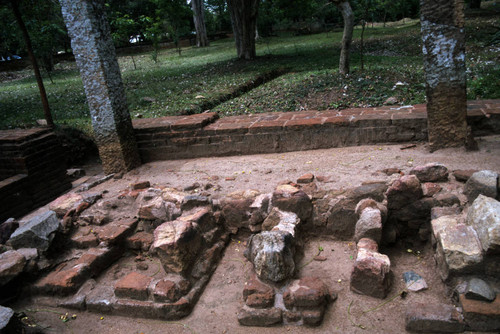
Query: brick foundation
[
  {"x": 32, "y": 170},
  {"x": 204, "y": 135}
]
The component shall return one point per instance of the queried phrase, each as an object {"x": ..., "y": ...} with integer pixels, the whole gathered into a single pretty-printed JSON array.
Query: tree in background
[
  {"x": 348, "y": 16},
  {"x": 244, "y": 21},
  {"x": 27, "y": 40},
  {"x": 198, "y": 8}
]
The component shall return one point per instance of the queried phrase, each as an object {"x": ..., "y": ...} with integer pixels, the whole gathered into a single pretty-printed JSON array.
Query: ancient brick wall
[{"x": 32, "y": 170}]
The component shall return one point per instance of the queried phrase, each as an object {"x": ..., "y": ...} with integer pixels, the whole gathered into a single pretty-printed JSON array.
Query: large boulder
[
  {"x": 244, "y": 209},
  {"x": 484, "y": 182},
  {"x": 272, "y": 254},
  {"x": 484, "y": 216},
  {"x": 177, "y": 244},
  {"x": 11, "y": 265},
  {"x": 36, "y": 233},
  {"x": 403, "y": 191},
  {"x": 431, "y": 172}
]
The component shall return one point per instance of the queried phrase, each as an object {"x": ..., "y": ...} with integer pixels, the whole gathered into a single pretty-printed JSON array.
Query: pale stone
[{"x": 484, "y": 216}]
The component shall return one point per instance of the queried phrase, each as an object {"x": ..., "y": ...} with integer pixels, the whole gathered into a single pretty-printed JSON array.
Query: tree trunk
[
  {"x": 199, "y": 23},
  {"x": 244, "y": 22},
  {"x": 348, "y": 16},
  {"x": 443, "y": 47},
  {"x": 475, "y": 4},
  {"x": 36, "y": 69}
]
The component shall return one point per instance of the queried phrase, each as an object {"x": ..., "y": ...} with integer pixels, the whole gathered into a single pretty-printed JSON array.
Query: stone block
[
  {"x": 65, "y": 203},
  {"x": 291, "y": 199},
  {"x": 278, "y": 220},
  {"x": 430, "y": 189},
  {"x": 307, "y": 292},
  {"x": 36, "y": 233},
  {"x": 478, "y": 289},
  {"x": 272, "y": 255},
  {"x": 11, "y": 265},
  {"x": 306, "y": 178},
  {"x": 484, "y": 182},
  {"x": 440, "y": 211},
  {"x": 260, "y": 317},
  {"x": 64, "y": 280},
  {"x": 160, "y": 209},
  {"x": 403, "y": 191},
  {"x": 6, "y": 315},
  {"x": 177, "y": 244},
  {"x": 6, "y": 229},
  {"x": 116, "y": 232},
  {"x": 133, "y": 286},
  {"x": 463, "y": 175},
  {"x": 369, "y": 225},
  {"x": 484, "y": 217},
  {"x": 458, "y": 250},
  {"x": 371, "y": 274},
  {"x": 431, "y": 172},
  {"x": 480, "y": 315},
  {"x": 433, "y": 318}
]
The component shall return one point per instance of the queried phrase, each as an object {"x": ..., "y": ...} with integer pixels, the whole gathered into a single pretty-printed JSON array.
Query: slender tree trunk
[
  {"x": 348, "y": 16},
  {"x": 199, "y": 23},
  {"x": 363, "y": 24},
  {"x": 36, "y": 69},
  {"x": 244, "y": 21}
]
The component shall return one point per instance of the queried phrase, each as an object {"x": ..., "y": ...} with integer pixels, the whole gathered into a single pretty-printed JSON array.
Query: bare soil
[{"x": 216, "y": 311}]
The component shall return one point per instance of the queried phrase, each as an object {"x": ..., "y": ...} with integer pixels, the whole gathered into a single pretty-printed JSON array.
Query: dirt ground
[{"x": 216, "y": 311}]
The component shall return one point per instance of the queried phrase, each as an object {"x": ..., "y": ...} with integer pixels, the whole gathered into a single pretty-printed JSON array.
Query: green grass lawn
[{"x": 209, "y": 76}]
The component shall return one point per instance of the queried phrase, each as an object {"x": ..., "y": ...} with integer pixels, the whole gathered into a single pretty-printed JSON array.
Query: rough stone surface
[
  {"x": 36, "y": 233},
  {"x": 463, "y": 175},
  {"x": 430, "y": 189},
  {"x": 367, "y": 244},
  {"x": 257, "y": 294},
  {"x": 433, "y": 318},
  {"x": 405, "y": 190},
  {"x": 11, "y": 265},
  {"x": 478, "y": 289},
  {"x": 260, "y": 317},
  {"x": 371, "y": 274},
  {"x": 440, "y": 211},
  {"x": 177, "y": 244},
  {"x": 481, "y": 316},
  {"x": 307, "y": 292},
  {"x": 159, "y": 209},
  {"x": 140, "y": 241},
  {"x": 289, "y": 198},
  {"x": 95, "y": 56},
  {"x": 458, "y": 250},
  {"x": 282, "y": 221},
  {"x": 6, "y": 314},
  {"x": 272, "y": 254},
  {"x": 484, "y": 182},
  {"x": 447, "y": 199},
  {"x": 134, "y": 286},
  {"x": 369, "y": 225},
  {"x": 484, "y": 217},
  {"x": 432, "y": 172},
  {"x": 64, "y": 203}
]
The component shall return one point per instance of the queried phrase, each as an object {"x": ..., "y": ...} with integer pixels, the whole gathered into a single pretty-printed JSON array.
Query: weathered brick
[{"x": 134, "y": 286}]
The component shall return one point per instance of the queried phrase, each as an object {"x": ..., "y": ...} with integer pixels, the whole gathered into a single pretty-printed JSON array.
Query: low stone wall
[
  {"x": 32, "y": 170},
  {"x": 204, "y": 135}
]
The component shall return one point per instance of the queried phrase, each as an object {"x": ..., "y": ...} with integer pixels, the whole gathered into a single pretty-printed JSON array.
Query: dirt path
[{"x": 344, "y": 167}]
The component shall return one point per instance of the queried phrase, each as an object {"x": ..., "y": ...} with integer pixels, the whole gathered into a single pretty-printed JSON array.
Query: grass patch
[{"x": 212, "y": 78}]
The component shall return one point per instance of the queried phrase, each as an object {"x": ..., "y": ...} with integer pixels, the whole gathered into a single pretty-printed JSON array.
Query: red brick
[
  {"x": 115, "y": 232},
  {"x": 134, "y": 286},
  {"x": 481, "y": 315},
  {"x": 140, "y": 241},
  {"x": 141, "y": 185},
  {"x": 65, "y": 280},
  {"x": 266, "y": 126},
  {"x": 296, "y": 124}
]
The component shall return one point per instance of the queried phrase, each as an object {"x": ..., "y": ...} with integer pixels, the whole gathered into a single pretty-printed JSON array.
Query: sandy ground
[{"x": 344, "y": 167}]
